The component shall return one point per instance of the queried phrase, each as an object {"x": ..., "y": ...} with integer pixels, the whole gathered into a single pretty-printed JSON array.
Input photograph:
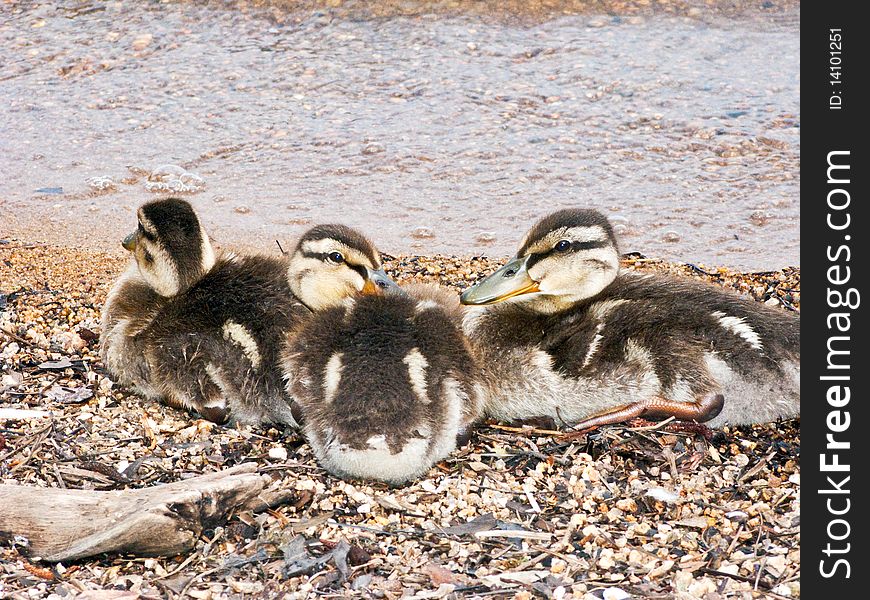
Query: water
[{"x": 434, "y": 134}]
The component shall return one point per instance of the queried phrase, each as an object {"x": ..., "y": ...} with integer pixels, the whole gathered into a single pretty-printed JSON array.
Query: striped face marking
[
  {"x": 155, "y": 263},
  {"x": 587, "y": 237},
  {"x": 325, "y": 271},
  {"x": 739, "y": 327},
  {"x": 572, "y": 263},
  {"x": 170, "y": 246}
]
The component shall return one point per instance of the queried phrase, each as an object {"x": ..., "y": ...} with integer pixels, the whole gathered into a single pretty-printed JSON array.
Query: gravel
[{"x": 635, "y": 511}]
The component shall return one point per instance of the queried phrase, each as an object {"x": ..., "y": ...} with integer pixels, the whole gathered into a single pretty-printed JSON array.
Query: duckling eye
[
  {"x": 336, "y": 257},
  {"x": 562, "y": 246}
]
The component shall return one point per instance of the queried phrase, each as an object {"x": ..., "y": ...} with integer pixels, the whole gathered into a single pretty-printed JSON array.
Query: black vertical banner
[{"x": 835, "y": 453}]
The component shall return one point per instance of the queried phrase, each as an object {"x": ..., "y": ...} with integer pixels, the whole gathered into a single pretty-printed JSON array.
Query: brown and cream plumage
[
  {"x": 204, "y": 332},
  {"x": 561, "y": 333},
  {"x": 385, "y": 384}
]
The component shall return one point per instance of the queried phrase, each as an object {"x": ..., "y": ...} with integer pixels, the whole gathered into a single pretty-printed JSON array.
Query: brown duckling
[
  {"x": 203, "y": 331},
  {"x": 561, "y": 333},
  {"x": 385, "y": 384}
]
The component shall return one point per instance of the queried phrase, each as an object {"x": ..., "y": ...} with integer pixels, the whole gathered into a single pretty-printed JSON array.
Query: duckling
[
  {"x": 561, "y": 333},
  {"x": 385, "y": 384},
  {"x": 203, "y": 331}
]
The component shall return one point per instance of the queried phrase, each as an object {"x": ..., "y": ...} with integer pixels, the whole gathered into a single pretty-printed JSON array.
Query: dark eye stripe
[
  {"x": 325, "y": 256},
  {"x": 588, "y": 245},
  {"x": 317, "y": 255},
  {"x": 575, "y": 247},
  {"x": 359, "y": 269}
]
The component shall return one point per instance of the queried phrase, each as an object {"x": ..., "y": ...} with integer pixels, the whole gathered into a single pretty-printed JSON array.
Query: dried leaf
[
  {"x": 358, "y": 556},
  {"x": 51, "y": 365},
  {"x": 481, "y": 523},
  {"x": 67, "y": 395},
  {"x": 438, "y": 574}
]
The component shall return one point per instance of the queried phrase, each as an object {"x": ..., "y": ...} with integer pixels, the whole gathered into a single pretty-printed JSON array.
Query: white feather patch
[
  {"x": 739, "y": 327},
  {"x": 593, "y": 345},
  {"x": 600, "y": 310},
  {"x": 332, "y": 377},
  {"x": 425, "y": 305},
  {"x": 636, "y": 353},
  {"x": 417, "y": 365},
  {"x": 240, "y": 335}
]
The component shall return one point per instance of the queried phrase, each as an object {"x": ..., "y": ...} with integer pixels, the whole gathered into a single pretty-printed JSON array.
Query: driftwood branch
[{"x": 59, "y": 525}]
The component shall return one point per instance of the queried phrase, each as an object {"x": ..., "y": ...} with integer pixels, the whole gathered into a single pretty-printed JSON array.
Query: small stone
[
  {"x": 423, "y": 233},
  {"x": 671, "y": 237},
  {"x": 662, "y": 495},
  {"x": 682, "y": 580},
  {"x": 627, "y": 505},
  {"x": 615, "y": 593},
  {"x": 278, "y": 453},
  {"x": 738, "y": 516},
  {"x": 142, "y": 41},
  {"x": 11, "y": 380},
  {"x": 485, "y": 237},
  {"x": 373, "y": 149},
  {"x": 701, "y": 587},
  {"x": 10, "y": 350},
  {"x": 759, "y": 218}
]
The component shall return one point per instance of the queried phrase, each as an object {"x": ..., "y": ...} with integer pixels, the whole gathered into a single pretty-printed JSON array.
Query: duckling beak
[
  {"x": 378, "y": 282},
  {"x": 509, "y": 281},
  {"x": 129, "y": 242}
]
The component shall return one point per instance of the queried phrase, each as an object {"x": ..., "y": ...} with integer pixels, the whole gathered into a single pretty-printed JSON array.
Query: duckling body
[
  {"x": 587, "y": 346},
  {"x": 212, "y": 344},
  {"x": 385, "y": 384},
  {"x": 205, "y": 332}
]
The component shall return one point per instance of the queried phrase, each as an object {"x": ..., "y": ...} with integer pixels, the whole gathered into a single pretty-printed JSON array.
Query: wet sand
[{"x": 436, "y": 127}]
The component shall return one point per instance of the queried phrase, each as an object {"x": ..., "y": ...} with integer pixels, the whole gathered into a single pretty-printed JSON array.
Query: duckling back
[
  {"x": 216, "y": 347},
  {"x": 385, "y": 385},
  {"x": 643, "y": 338}
]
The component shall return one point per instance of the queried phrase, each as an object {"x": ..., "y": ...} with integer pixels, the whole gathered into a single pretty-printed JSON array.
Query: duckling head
[
  {"x": 567, "y": 257},
  {"x": 171, "y": 249},
  {"x": 332, "y": 263}
]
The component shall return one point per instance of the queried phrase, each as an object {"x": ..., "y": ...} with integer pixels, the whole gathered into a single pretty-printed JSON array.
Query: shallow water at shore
[{"x": 442, "y": 133}]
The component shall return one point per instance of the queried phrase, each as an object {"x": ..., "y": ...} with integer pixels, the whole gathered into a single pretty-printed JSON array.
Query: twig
[
  {"x": 700, "y": 270},
  {"x": 12, "y": 336},
  {"x": 531, "y": 430},
  {"x": 743, "y": 578},
  {"x": 756, "y": 468},
  {"x": 654, "y": 426}
]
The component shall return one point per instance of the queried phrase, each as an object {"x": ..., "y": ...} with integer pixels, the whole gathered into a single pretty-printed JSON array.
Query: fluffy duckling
[
  {"x": 561, "y": 333},
  {"x": 385, "y": 384},
  {"x": 204, "y": 332}
]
